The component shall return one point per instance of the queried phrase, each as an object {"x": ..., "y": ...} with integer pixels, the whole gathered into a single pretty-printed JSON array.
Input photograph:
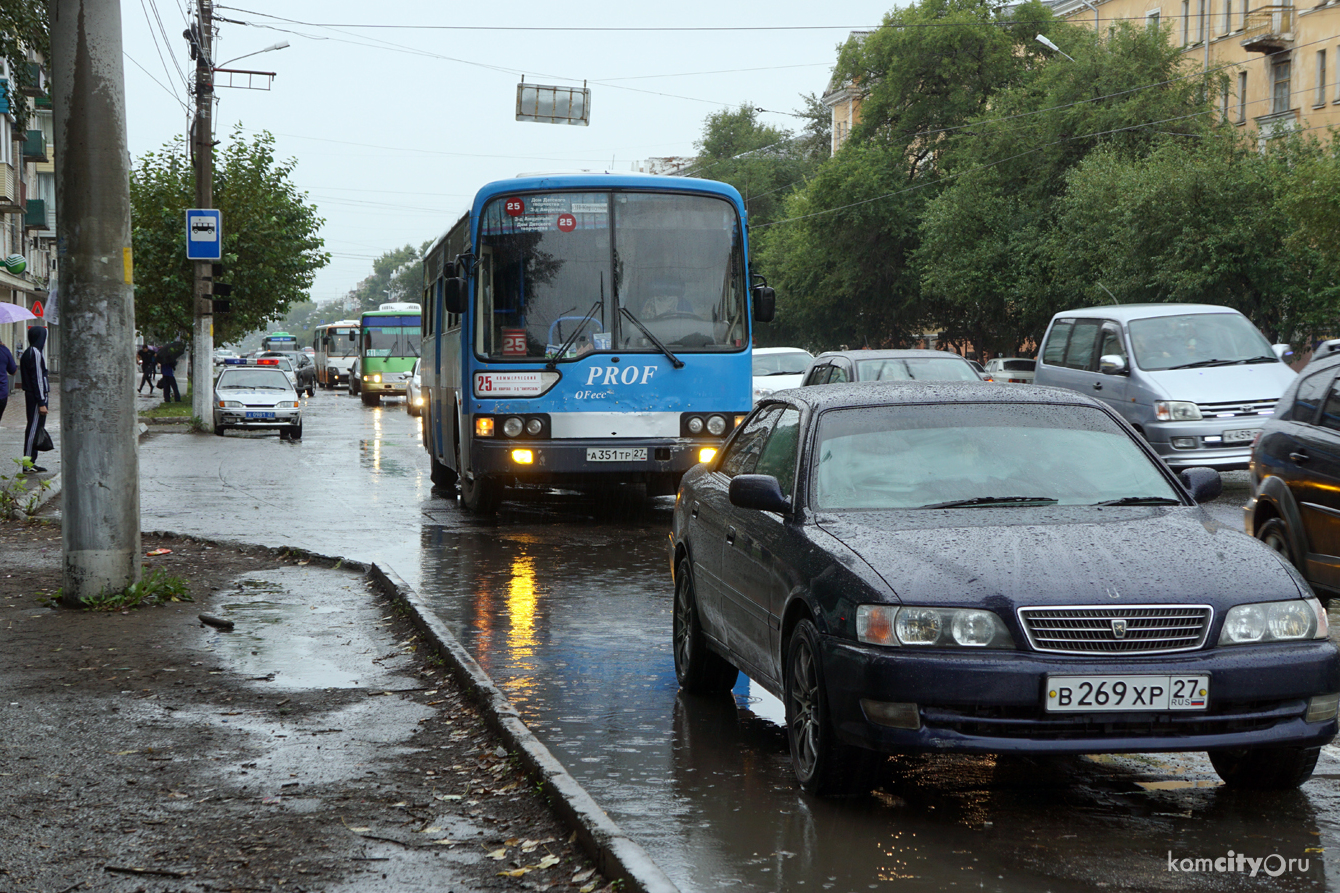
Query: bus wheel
[
  {"x": 481, "y": 495},
  {"x": 441, "y": 475},
  {"x": 371, "y": 399}
]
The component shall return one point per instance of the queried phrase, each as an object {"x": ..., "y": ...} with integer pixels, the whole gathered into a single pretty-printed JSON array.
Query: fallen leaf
[
  {"x": 515, "y": 872},
  {"x": 548, "y": 862},
  {"x": 498, "y": 855},
  {"x": 513, "y": 841},
  {"x": 125, "y": 753},
  {"x": 360, "y": 830},
  {"x": 588, "y": 888},
  {"x": 157, "y": 552},
  {"x": 446, "y": 841},
  {"x": 433, "y": 830},
  {"x": 447, "y": 797},
  {"x": 583, "y": 876}
]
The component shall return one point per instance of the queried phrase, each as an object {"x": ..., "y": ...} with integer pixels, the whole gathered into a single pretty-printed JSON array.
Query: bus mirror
[
  {"x": 353, "y": 336},
  {"x": 453, "y": 295},
  {"x": 765, "y": 303}
]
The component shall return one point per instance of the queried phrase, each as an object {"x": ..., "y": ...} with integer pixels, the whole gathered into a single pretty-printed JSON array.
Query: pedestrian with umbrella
[
  {"x": 7, "y": 368},
  {"x": 167, "y": 371},
  {"x": 36, "y": 393},
  {"x": 148, "y": 366}
]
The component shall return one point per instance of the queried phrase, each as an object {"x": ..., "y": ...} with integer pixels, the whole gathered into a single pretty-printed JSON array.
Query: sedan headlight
[
  {"x": 1176, "y": 411},
  {"x": 944, "y": 627},
  {"x": 230, "y": 404},
  {"x": 1302, "y": 618}
]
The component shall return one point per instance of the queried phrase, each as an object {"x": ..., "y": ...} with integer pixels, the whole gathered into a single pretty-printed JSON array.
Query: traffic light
[{"x": 219, "y": 290}]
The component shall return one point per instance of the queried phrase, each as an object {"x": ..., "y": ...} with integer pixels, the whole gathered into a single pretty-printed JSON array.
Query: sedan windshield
[
  {"x": 562, "y": 274},
  {"x": 252, "y": 378},
  {"x": 979, "y": 455},
  {"x": 793, "y": 362},
  {"x": 1194, "y": 340},
  {"x": 915, "y": 369}
]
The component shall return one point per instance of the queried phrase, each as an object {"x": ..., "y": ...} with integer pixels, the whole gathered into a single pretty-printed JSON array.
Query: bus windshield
[
  {"x": 576, "y": 272},
  {"x": 391, "y": 336},
  {"x": 341, "y": 342}
]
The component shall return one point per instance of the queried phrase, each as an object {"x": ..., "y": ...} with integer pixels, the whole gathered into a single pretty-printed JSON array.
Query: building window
[
  {"x": 1242, "y": 97},
  {"x": 1243, "y": 27},
  {"x": 1202, "y": 22},
  {"x": 1321, "y": 77},
  {"x": 1228, "y": 16},
  {"x": 1224, "y": 101},
  {"x": 1337, "y": 80},
  {"x": 1279, "y": 97},
  {"x": 1152, "y": 19},
  {"x": 1186, "y": 22}
]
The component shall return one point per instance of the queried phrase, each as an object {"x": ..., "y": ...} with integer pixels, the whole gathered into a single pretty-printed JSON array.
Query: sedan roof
[
  {"x": 883, "y": 393},
  {"x": 860, "y": 354}
]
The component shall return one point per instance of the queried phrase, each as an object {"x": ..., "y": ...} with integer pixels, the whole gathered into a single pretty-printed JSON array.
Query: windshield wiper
[
  {"x": 581, "y": 327},
  {"x": 1141, "y": 500},
  {"x": 801, "y": 372},
  {"x": 1200, "y": 364},
  {"x": 992, "y": 500},
  {"x": 674, "y": 360},
  {"x": 1261, "y": 359}
]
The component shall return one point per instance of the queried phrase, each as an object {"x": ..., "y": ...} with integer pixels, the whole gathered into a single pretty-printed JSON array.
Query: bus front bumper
[
  {"x": 393, "y": 383},
  {"x": 575, "y": 461}
]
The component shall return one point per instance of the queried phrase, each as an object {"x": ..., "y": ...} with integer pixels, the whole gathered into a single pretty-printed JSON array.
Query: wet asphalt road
[{"x": 566, "y": 604}]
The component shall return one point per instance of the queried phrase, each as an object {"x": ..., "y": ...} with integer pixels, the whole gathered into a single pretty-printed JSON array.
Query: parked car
[
  {"x": 778, "y": 368},
  {"x": 221, "y": 354},
  {"x": 251, "y": 394},
  {"x": 1295, "y": 471},
  {"x": 1010, "y": 370},
  {"x": 837, "y": 366},
  {"x": 302, "y": 367},
  {"x": 1197, "y": 380},
  {"x": 414, "y": 392},
  {"x": 959, "y": 567}
]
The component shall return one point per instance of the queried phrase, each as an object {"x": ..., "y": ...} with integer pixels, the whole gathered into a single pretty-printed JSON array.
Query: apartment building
[
  {"x": 1282, "y": 60},
  {"x": 28, "y": 209}
]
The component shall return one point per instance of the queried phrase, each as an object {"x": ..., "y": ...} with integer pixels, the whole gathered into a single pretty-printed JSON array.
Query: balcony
[
  {"x": 35, "y": 147},
  {"x": 9, "y": 189},
  {"x": 35, "y": 217},
  {"x": 1269, "y": 29},
  {"x": 37, "y": 81}
]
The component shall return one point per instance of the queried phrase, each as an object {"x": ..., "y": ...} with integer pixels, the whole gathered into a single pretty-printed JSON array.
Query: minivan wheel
[
  {"x": 1265, "y": 768},
  {"x": 1275, "y": 534}
]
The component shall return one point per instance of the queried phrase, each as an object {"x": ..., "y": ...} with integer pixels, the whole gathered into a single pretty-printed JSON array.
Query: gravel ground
[{"x": 315, "y": 746}]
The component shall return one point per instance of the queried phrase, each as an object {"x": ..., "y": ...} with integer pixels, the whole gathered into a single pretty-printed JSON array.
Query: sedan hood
[
  {"x": 257, "y": 397},
  {"x": 1071, "y": 555}
]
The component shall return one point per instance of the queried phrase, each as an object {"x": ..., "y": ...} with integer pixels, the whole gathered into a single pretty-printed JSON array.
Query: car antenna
[{"x": 1109, "y": 294}]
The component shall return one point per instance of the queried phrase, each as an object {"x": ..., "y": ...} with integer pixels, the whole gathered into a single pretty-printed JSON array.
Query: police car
[{"x": 256, "y": 393}]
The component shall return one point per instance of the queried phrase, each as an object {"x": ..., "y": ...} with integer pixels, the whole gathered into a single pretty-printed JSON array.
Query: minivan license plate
[
  {"x": 602, "y": 454},
  {"x": 1241, "y": 435},
  {"x": 1094, "y": 694}
]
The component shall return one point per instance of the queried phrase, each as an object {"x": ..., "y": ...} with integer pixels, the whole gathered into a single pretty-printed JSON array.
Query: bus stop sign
[{"x": 204, "y": 234}]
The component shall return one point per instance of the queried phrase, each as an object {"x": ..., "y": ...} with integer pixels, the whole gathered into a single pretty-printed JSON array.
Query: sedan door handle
[
  {"x": 1097, "y": 385},
  {"x": 730, "y": 535},
  {"x": 1299, "y": 457}
]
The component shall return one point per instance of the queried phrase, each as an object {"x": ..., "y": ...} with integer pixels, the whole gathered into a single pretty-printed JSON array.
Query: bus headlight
[
  {"x": 512, "y": 427},
  {"x": 716, "y": 426},
  {"x": 534, "y": 427},
  {"x": 695, "y": 425},
  {"x": 377, "y": 378}
]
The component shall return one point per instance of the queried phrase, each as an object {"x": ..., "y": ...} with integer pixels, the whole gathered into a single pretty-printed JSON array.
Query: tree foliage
[
  {"x": 271, "y": 245},
  {"x": 24, "y": 26}
]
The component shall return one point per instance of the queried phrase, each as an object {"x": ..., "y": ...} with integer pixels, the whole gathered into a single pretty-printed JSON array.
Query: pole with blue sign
[{"x": 204, "y": 234}]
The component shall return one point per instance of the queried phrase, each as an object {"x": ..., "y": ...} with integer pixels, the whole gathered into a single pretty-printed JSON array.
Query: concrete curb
[{"x": 617, "y": 857}]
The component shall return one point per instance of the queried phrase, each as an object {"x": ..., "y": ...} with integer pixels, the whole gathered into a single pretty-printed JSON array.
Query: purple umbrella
[{"x": 13, "y": 313}]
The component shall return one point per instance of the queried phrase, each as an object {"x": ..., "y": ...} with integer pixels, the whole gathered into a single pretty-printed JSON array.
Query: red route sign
[
  {"x": 567, "y": 223},
  {"x": 37, "y": 309},
  {"x": 514, "y": 207}
]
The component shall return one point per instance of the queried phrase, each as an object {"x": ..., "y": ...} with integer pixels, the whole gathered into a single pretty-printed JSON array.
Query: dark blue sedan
[{"x": 973, "y": 568}]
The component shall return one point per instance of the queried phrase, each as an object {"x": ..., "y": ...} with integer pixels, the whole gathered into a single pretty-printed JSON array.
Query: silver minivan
[{"x": 1196, "y": 380}]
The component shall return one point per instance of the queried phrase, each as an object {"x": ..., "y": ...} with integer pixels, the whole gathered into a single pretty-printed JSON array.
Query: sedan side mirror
[
  {"x": 765, "y": 303},
  {"x": 1112, "y": 364},
  {"x": 1204, "y": 484},
  {"x": 758, "y": 491}
]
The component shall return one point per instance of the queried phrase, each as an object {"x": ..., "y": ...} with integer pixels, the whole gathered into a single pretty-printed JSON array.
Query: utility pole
[
  {"x": 202, "y": 342},
  {"x": 100, "y": 495}
]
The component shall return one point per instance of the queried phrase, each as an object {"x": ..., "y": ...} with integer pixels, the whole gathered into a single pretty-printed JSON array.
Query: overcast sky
[{"x": 394, "y": 129}]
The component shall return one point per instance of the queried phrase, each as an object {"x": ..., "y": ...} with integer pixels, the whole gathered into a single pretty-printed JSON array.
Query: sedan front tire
[{"x": 823, "y": 764}]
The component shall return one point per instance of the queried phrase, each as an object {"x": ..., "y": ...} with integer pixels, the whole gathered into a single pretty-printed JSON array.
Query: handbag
[{"x": 44, "y": 441}]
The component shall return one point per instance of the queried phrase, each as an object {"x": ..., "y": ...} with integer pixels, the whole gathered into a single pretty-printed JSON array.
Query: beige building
[
  {"x": 844, "y": 101},
  {"x": 1283, "y": 62}
]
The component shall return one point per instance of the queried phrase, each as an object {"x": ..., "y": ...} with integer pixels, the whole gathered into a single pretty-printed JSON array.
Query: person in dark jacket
[
  {"x": 148, "y": 366},
  {"x": 36, "y": 392},
  {"x": 167, "y": 371},
  {"x": 7, "y": 368}
]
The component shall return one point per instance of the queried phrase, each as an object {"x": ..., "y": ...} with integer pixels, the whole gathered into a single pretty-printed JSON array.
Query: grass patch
[
  {"x": 179, "y": 410},
  {"x": 157, "y": 587}
]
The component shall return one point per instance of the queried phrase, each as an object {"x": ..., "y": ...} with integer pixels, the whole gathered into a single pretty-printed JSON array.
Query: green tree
[
  {"x": 24, "y": 27},
  {"x": 397, "y": 275},
  {"x": 271, "y": 245}
]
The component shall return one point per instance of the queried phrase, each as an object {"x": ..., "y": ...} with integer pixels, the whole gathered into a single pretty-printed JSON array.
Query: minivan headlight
[
  {"x": 943, "y": 627},
  {"x": 1301, "y": 618},
  {"x": 1176, "y": 411}
]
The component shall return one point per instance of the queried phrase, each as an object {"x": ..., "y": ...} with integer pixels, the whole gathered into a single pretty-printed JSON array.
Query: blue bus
[{"x": 584, "y": 330}]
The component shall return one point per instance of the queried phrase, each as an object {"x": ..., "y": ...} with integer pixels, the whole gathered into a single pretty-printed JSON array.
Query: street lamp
[
  {"x": 283, "y": 44},
  {"x": 1053, "y": 47}
]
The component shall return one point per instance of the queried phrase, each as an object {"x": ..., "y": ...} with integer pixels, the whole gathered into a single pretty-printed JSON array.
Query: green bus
[{"x": 388, "y": 346}]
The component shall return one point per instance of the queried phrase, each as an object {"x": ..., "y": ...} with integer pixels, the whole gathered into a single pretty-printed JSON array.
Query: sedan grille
[
  {"x": 1237, "y": 408},
  {"x": 1146, "y": 629}
]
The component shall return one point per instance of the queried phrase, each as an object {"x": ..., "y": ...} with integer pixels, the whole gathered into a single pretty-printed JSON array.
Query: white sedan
[{"x": 778, "y": 368}]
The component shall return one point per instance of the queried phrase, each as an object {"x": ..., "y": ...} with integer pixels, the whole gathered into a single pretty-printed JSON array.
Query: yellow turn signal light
[
  {"x": 523, "y": 457},
  {"x": 483, "y": 427},
  {"x": 707, "y": 454}
]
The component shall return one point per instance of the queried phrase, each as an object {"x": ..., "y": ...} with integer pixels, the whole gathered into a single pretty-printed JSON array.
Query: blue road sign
[{"x": 204, "y": 234}]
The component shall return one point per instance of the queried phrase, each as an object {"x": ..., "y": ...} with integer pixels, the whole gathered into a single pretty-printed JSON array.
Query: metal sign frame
[{"x": 545, "y": 104}]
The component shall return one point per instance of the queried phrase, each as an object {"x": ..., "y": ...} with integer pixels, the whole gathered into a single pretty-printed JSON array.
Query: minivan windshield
[
  {"x": 1195, "y": 340},
  {"x": 979, "y": 455}
]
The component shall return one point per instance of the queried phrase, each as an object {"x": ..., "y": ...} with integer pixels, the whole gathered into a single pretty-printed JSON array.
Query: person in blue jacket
[
  {"x": 7, "y": 368},
  {"x": 36, "y": 392}
]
